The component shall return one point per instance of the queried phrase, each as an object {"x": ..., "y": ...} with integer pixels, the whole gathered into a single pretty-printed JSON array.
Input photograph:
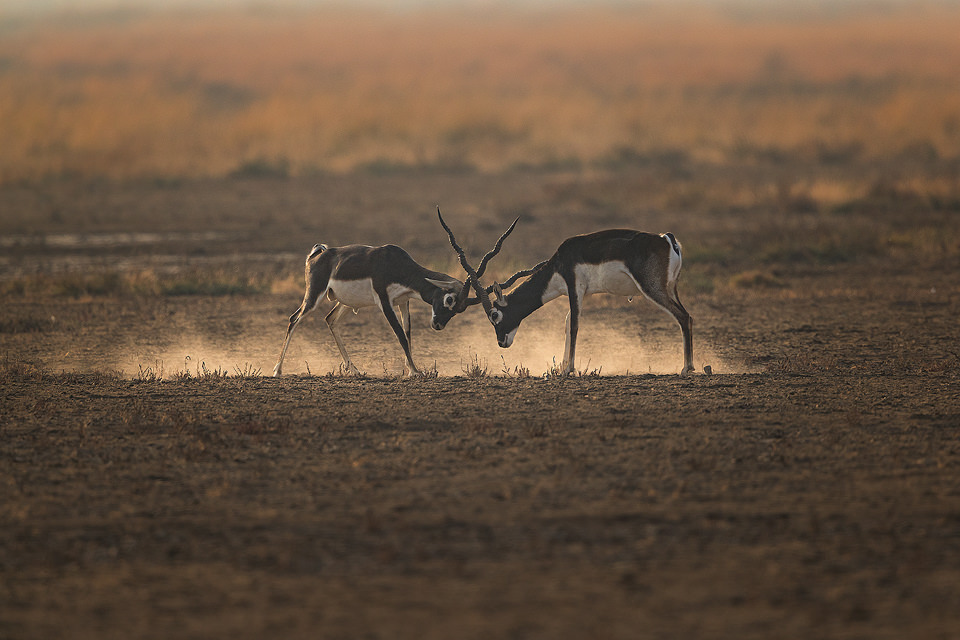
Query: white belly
[
  {"x": 399, "y": 294},
  {"x": 353, "y": 293},
  {"x": 608, "y": 277}
]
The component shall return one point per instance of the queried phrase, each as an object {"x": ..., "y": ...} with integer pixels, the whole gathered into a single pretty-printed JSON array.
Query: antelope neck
[{"x": 532, "y": 293}]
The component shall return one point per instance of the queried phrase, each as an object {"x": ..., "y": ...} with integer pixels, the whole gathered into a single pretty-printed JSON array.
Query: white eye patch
[
  {"x": 449, "y": 301},
  {"x": 496, "y": 316}
]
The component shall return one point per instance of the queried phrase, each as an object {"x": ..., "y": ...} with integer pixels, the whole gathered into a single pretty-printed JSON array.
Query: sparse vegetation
[
  {"x": 588, "y": 372},
  {"x": 519, "y": 371},
  {"x": 555, "y": 371},
  {"x": 431, "y": 373},
  {"x": 146, "y": 282},
  {"x": 26, "y": 325},
  {"x": 14, "y": 368},
  {"x": 476, "y": 368},
  {"x": 247, "y": 371},
  {"x": 755, "y": 278},
  {"x": 152, "y": 373},
  {"x": 342, "y": 371},
  {"x": 201, "y": 372}
]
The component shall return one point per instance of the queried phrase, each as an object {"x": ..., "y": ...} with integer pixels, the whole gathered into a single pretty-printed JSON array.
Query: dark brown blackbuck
[{"x": 621, "y": 262}]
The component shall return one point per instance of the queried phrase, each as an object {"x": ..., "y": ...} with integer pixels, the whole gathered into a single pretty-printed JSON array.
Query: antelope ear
[
  {"x": 501, "y": 300},
  {"x": 447, "y": 285}
]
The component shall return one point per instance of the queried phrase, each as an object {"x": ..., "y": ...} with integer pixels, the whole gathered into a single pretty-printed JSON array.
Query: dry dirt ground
[{"x": 810, "y": 487}]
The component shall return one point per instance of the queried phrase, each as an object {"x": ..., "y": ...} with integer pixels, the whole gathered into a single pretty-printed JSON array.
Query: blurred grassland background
[
  {"x": 169, "y": 150},
  {"x": 206, "y": 93}
]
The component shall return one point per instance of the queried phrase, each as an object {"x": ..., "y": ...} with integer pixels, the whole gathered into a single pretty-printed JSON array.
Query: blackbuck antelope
[
  {"x": 358, "y": 276},
  {"x": 617, "y": 261}
]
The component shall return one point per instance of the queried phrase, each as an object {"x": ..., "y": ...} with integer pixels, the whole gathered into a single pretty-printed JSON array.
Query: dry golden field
[
  {"x": 164, "y": 173},
  {"x": 203, "y": 93}
]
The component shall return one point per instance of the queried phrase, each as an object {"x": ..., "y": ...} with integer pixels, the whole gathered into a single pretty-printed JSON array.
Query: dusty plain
[{"x": 155, "y": 482}]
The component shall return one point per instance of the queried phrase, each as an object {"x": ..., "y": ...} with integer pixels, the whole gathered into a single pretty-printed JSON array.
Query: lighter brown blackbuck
[{"x": 357, "y": 276}]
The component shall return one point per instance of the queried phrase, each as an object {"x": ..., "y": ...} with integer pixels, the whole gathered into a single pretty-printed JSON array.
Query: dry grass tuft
[
  {"x": 475, "y": 369},
  {"x": 756, "y": 279},
  {"x": 554, "y": 372},
  {"x": 150, "y": 373},
  {"x": 15, "y": 369},
  {"x": 519, "y": 371},
  {"x": 248, "y": 371},
  {"x": 431, "y": 373}
]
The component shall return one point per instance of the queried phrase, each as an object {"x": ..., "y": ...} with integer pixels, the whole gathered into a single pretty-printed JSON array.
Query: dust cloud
[{"x": 626, "y": 340}]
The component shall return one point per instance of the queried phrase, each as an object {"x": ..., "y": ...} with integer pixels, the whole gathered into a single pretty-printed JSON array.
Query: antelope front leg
[
  {"x": 332, "y": 319},
  {"x": 405, "y": 319},
  {"x": 315, "y": 290},
  {"x": 397, "y": 327},
  {"x": 573, "y": 325},
  {"x": 294, "y": 321}
]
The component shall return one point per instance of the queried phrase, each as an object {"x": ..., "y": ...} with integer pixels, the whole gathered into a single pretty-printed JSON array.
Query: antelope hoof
[
  {"x": 276, "y": 371},
  {"x": 686, "y": 371}
]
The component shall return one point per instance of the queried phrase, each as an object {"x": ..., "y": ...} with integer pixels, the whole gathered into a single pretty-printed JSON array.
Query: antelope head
[
  {"x": 494, "y": 314},
  {"x": 450, "y": 300}
]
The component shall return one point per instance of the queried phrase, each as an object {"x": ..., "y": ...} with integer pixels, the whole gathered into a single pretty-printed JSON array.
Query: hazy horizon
[{"x": 826, "y": 6}]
